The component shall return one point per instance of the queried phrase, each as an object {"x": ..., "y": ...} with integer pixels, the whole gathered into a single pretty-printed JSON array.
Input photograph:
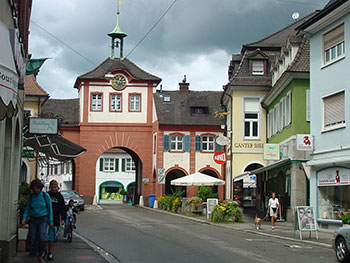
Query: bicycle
[{"x": 70, "y": 229}]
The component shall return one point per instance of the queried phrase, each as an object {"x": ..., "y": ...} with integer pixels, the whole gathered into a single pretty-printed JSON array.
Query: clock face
[{"x": 119, "y": 82}]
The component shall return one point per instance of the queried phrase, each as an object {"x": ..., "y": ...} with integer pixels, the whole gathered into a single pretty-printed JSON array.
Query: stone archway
[
  {"x": 212, "y": 173},
  {"x": 171, "y": 175},
  {"x": 116, "y": 169}
]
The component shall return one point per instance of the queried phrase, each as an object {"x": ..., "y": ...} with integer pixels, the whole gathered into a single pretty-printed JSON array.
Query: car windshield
[
  {"x": 69, "y": 193},
  {"x": 66, "y": 194}
]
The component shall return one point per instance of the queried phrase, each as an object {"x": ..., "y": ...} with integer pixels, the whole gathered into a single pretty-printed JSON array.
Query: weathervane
[{"x": 117, "y": 33}]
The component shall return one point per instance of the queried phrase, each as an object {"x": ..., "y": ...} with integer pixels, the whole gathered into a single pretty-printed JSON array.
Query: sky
[{"x": 195, "y": 38}]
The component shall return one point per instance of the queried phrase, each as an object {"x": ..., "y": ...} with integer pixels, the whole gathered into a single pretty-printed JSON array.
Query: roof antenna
[{"x": 161, "y": 91}]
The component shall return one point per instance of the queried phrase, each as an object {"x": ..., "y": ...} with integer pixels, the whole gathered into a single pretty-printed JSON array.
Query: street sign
[
  {"x": 220, "y": 157},
  {"x": 43, "y": 126},
  {"x": 161, "y": 175}
]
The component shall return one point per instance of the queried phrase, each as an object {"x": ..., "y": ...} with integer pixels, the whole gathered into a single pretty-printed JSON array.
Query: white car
[{"x": 341, "y": 243}]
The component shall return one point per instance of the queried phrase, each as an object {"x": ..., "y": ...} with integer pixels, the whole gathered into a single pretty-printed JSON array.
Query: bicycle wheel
[{"x": 70, "y": 233}]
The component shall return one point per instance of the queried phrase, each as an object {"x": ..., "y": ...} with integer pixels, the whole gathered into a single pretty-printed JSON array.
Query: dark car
[
  {"x": 341, "y": 243},
  {"x": 72, "y": 194}
]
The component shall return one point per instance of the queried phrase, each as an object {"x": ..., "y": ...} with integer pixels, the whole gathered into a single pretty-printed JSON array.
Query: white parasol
[{"x": 197, "y": 179}]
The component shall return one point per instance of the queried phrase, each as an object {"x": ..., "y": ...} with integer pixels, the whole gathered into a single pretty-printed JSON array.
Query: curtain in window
[{"x": 334, "y": 37}]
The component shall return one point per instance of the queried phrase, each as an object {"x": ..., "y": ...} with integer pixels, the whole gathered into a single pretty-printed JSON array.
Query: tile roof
[
  {"x": 32, "y": 87},
  {"x": 301, "y": 62},
  {"x": 113, "y": 64},
  {"x": 67, "y": 110},
  {"x": 178, "y": 110}
]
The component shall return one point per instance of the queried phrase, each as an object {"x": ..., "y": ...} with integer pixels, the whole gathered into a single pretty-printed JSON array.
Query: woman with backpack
[{"x": 39, "y": 210}]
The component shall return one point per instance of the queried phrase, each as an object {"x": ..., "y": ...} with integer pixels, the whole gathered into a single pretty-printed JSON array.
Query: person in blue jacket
[{"x": 39, "y": 210}]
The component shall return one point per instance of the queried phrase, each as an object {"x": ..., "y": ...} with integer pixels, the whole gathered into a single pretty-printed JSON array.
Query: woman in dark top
[{"x": 59, "y": 216}]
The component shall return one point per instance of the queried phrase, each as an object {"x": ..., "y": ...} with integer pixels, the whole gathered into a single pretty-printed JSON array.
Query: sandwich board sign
[
  {"x": 305, "y": 220},
  {"x": 211, "y": 202}
]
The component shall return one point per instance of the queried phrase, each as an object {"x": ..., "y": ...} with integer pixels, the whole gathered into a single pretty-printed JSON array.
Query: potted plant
[{"x": 124, "y": 193}]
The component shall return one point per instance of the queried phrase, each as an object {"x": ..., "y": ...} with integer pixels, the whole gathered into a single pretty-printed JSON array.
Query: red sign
[{"x": 220, "y": 157}]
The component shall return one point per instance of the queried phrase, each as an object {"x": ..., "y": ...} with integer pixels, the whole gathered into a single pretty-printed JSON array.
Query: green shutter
[
  {"x": 187, "y": 146},
  {"x": 166, "y": 142},
  {"x": 123, "y": 165},
  {"x": 198, "y": 143},
  {"x": 101, "y": 164},
  {"x": 116, "y": 167}
]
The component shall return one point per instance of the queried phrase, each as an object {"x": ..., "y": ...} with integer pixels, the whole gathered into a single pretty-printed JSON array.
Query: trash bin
[{"x": 151, "y": 200}]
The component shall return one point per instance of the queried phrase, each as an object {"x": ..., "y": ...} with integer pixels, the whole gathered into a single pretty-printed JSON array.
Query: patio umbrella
[{"x": 197, "y": 179}]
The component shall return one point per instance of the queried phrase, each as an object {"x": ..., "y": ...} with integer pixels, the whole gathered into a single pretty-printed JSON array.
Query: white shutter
[
  {"x": 334, "y": 109},
  {"x": 268, "y": 125},
  {"x": 307, "y": 105},
  {"x": 251, "y": 104},
  {"x": 283, "y": 112},
  {"x": 289, "y": 108}
]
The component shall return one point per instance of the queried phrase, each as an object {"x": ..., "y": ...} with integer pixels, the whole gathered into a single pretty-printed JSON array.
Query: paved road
[{"x": 133, "y": 234}]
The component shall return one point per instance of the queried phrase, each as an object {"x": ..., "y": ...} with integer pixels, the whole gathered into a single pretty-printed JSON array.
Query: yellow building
[{"x": 35, "y": 97}]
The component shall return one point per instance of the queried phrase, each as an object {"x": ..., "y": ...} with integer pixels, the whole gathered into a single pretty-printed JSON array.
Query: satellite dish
[{"x": 295, "y": 15}]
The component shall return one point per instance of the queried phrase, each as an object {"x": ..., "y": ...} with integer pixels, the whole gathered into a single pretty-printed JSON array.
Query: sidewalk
[{"x": 283, "y": 230}]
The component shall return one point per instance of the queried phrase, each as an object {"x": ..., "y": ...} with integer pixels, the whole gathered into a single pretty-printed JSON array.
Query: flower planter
[{"x": 194, "y": 208}]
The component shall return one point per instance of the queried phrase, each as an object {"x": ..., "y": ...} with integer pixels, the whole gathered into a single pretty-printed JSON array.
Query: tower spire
[{"x": 117, "y": 33}]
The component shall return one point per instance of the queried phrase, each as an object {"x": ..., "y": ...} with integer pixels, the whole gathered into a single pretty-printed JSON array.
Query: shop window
[{"x": 333, "y": 201}]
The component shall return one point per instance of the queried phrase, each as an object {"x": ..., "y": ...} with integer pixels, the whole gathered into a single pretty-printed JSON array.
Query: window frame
[
  {"x": 208, "y": 143},
  {"x": 110, "y": 102},
  {"x": 176, "y": 142},
  {"x": 91, "y": 100},
  {"x": 258, "y": 72},
  {"x": 140, "y": 102},
  {"x": 130, "y": 165},
  {"x": 334, "y": 47},
  {"x": 110, "y": 162},
  {"x": 333, "y": 126},
  {"x": 251, "y": 121}
]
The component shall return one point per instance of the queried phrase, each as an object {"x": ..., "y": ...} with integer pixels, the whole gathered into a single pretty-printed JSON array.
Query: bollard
[
  {"x": 155, "y": 205},
  {"x": 141, "y": 204}
]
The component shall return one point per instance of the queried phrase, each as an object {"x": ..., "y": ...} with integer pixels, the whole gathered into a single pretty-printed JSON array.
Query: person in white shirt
[{"x": 273, "y": 208}]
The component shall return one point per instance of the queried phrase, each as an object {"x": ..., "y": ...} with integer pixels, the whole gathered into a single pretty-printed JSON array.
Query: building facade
[
  {"x": 329, "y": 34},
  {"x": 14, "y": 30}
]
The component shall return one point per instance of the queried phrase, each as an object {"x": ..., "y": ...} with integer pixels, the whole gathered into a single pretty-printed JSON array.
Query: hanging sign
[
  {"x": 333, "y": 176},
  {"x": 161, "y": 175},
  {"x": 220, "y": 157},
  {"x": 43, "y": 126},
  {"x": 271, "y": 151},
  {"x": 305, "y": 142}
]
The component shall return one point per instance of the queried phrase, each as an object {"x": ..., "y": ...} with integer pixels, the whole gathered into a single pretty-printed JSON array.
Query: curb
[{"x": 314, "y": 243}]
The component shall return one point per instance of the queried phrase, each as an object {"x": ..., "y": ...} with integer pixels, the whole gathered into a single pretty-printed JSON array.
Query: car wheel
[{"x": 341, "y": 250}]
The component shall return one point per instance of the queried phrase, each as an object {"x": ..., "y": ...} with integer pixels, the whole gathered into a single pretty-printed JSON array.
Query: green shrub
[
  {"x": 346, "y": 219},
  {"x": 206, "y": 192},
  {"x": 226, "y": 212}
]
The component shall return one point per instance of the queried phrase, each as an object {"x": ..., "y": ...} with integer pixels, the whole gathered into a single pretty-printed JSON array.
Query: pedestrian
[
  {"x": 59, "y": 216},
  {"x": 273, "y": 208},
  {"x": 39, "y": 212},
  {"x": 71, "y": 213}
]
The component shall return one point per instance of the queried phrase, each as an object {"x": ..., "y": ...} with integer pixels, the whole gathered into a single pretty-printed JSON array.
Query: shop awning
[
  {"x": 271, "y": 166},
  {"x": 8, "y": 75},
  {"x": 54, "y": 146},
  {"x": 307, "y": 170},
  {"x": 329, "y": 161}
]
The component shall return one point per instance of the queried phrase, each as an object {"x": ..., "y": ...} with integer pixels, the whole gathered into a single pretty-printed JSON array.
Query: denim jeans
[{"x": 37, "y": 229}]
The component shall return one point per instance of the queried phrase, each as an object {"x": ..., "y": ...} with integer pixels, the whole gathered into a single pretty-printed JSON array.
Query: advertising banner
[{"x": 333, "y": 176}]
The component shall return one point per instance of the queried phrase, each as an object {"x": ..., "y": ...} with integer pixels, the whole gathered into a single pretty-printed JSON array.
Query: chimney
[{"x": 184, "y": 86}]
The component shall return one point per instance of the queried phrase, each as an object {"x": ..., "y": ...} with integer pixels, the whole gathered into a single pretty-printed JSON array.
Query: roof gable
[{"x": 32, "y": 87}]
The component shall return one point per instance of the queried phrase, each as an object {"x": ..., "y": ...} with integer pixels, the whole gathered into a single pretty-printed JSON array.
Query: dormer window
[
  {"x": 199, "y": 110},
  {"x": 166, "y": 98},
  {"x": 258, "y": 67}
]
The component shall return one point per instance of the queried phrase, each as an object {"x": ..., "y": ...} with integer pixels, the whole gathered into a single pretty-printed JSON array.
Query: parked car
[
  {"x": 72, "y": 194},
  {"x": 341, "y": 245}
]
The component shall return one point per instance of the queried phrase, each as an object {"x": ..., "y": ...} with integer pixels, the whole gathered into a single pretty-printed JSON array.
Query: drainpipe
[{"x": 231, "y": 142}]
